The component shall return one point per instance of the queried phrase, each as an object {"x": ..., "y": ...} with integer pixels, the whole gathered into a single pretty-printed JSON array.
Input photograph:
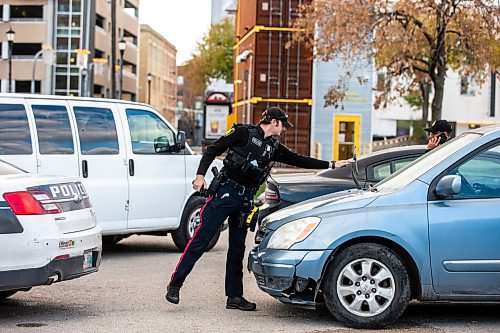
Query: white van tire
[{"x": 189, "y": 222}]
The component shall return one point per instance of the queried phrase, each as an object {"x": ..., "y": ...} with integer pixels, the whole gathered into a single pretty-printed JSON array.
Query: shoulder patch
[{"x": 231, "y": 131}]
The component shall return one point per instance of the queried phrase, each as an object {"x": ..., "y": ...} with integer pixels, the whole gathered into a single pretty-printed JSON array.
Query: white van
[{"x": 135, "y": 166}]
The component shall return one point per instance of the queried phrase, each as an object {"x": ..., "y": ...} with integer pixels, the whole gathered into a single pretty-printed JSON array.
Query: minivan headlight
[{"x": 293, "y": 232}]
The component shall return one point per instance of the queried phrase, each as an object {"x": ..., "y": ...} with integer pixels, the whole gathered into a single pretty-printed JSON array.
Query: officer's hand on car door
[{"x": 199, "y": 183}]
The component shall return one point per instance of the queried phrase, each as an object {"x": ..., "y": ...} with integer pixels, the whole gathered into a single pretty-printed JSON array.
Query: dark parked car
[{"x": 285, "y": 190}]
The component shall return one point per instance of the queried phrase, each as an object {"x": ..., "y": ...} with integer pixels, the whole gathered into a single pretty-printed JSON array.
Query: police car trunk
[{"x": 48, "y": 231}]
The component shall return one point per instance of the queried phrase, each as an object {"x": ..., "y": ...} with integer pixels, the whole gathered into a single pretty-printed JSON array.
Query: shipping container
[
  {"x": 268, "y": 13},
  {"x": 277, "y": 73}
]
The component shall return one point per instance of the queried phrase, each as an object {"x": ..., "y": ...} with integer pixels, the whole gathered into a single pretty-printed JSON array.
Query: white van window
[
  {"x": 53, "y": 129},
  {"x": 148, "y": 131},
  {"x": 96, "y": 130},
  {"x": 15, "y": 137}
]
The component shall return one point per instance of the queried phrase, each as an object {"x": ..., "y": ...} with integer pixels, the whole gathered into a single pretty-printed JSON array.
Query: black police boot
[
  {"x": 172, "y": 294},
  {"x": 240, "y": 303}
]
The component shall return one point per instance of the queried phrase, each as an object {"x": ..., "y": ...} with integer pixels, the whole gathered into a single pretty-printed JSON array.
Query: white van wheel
[{"x": 189, "y": 222}]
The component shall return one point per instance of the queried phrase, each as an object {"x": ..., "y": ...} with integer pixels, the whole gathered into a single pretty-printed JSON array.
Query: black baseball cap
[
  {"x": 439, "y": 126},
  {"x": 277, "y": 113}
]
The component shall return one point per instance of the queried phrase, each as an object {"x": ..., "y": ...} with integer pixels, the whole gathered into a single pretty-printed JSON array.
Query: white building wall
[{"x": 463, "y": 109}]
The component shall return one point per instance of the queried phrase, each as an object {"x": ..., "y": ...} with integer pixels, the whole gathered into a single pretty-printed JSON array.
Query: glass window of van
[
  {"x": 150, "y": 134},
  {"x": 96, "y": 130},
  {"x": 53, "y": 129},
  {"x": 15, "y": 137}
]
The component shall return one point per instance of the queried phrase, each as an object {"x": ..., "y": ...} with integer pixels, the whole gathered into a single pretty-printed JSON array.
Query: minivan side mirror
[
  {"x": 449, "y": 185},
  {"x": 181, "y": 140}
]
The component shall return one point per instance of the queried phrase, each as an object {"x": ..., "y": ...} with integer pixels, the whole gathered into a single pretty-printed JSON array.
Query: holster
[
  {"x": 214, "y": 184},
  {"x": 249, "y": 216}
]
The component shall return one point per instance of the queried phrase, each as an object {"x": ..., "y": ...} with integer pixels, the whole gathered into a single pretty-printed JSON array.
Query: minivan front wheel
[
  {"x": 366, "y": 286},
  {"x": 189, "y": 222}
]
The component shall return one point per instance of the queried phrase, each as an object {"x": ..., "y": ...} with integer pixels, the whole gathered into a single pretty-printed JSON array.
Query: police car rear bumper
[{"x": 59, "y": 269}]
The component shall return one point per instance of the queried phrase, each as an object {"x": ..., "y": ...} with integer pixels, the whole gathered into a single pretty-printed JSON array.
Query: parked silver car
[{"x": 428, "y": 232}]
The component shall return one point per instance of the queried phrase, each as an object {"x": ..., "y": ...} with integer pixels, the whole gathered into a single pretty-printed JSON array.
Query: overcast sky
[{"x": 181, "y": 22}]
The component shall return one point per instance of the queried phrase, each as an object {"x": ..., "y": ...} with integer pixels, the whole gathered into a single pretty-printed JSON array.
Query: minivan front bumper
[{"x": 289, "y": 276}]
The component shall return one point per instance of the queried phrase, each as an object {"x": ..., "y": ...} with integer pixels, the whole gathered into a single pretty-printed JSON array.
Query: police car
[{"x": 48, "y": 230}]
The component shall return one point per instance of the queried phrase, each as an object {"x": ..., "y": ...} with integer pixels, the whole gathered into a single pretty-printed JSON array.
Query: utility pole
[{"x": 113, "y": 48}]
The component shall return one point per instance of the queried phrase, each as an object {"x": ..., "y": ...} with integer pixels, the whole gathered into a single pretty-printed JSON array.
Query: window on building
[
  {"x": 99, "y": 54},
  {"x": 25, "y": 86},
  {"x": 1, "y": 12},
  {"x": 26, "y": 12},
  {"x": 131, "y": 9},
  {"x": 76, "y": 6},
  {"x": 467, "y": 86},
  {"x": 98, "y": 90},
  {"x": 100, "y": 21},
  {"x": 381, "y": 84},
  {"x": 53, "y": 129},
  {"x": 15, "y": 137},
  {"x": 63, "y": 5},
  {"x": 180, "y": 80},
  {"x": 25, "y": 49},
  {"x": 129, "y": 67},
  {"x": 129, "y": 37}
]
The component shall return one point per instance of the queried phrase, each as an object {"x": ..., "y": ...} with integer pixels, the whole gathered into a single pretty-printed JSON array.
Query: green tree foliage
[{"x": 213, "y": 58}]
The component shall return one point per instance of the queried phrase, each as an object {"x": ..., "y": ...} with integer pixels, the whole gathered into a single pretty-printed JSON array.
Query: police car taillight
[{"x": 30, "y": 203}]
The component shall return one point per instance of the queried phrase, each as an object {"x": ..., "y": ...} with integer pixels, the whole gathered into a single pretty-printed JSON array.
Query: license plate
[{"x": 87, "y": 260}]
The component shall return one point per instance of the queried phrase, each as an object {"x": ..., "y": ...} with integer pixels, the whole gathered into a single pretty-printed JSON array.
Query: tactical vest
[{"x": 252, "y": 160}]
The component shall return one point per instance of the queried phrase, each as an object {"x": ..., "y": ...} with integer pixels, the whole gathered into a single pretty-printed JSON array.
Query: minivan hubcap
[
  {"x": 193, "y": 222},
  {"x": 365, "y": 287}
]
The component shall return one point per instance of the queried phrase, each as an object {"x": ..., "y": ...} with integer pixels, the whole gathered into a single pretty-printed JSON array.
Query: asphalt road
[{"x": 127, "y": 295}]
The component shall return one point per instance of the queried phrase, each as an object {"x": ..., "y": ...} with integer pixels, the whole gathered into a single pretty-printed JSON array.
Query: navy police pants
[{"x": 227, "y": 202}]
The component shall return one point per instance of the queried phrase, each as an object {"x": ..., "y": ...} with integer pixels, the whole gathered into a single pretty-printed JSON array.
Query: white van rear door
[
  {"x": 55, "y": 142},
  {"x": 157, "y": 178},
  {"x": 102, "y": 156},
  {"x": 17, "y": 142}
]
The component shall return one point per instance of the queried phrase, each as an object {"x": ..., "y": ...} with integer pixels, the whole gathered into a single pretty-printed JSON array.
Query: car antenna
[{"x": 354, "y": 169}]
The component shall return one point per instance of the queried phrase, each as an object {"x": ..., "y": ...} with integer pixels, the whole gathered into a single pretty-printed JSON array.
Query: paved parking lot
[{"x": 127, "y": 295}]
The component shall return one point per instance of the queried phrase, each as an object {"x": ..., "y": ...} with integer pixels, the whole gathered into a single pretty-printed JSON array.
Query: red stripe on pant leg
[{"x": 194, "y": 235}]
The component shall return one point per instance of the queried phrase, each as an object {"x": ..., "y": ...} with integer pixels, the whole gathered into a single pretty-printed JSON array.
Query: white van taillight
[{"x": 30, "y": 203}]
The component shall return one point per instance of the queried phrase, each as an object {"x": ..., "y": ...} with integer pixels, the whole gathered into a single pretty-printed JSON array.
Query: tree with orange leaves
[{"x": 414, "y": 41}]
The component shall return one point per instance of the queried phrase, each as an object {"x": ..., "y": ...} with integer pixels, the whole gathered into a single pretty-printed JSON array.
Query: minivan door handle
[
  {"x": 131, "y": 170},
  {"x": 85, "y": 169}
]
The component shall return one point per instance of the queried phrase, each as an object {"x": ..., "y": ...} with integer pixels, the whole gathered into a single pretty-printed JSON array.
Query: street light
[
  {"x": 243, "y": 57},
  {"x": 122, "y": 45},
  {"x": 35, "y": 59},
  {"x": 150, "y": 78},
  {"x": 10, "y": 38}
]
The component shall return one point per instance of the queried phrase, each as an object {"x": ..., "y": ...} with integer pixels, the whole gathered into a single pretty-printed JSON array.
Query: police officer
[
  {"x": 251, "y": 151},
  {"x": 439, "y": 133}
]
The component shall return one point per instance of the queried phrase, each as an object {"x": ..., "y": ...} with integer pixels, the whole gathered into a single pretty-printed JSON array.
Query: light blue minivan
[{"x": 429, "y": 232}]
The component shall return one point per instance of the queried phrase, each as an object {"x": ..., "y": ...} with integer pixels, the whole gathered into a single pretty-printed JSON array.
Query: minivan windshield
[
  {"x": 412, "y": 171},
  {"x": 9, "y": 169}
]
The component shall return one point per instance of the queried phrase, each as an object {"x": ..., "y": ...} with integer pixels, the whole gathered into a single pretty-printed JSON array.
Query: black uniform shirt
[{"x": 238, "y": 136}]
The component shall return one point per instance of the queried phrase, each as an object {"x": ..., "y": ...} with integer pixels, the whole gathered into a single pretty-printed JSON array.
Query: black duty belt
[{"x": 242, "y": 189}]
